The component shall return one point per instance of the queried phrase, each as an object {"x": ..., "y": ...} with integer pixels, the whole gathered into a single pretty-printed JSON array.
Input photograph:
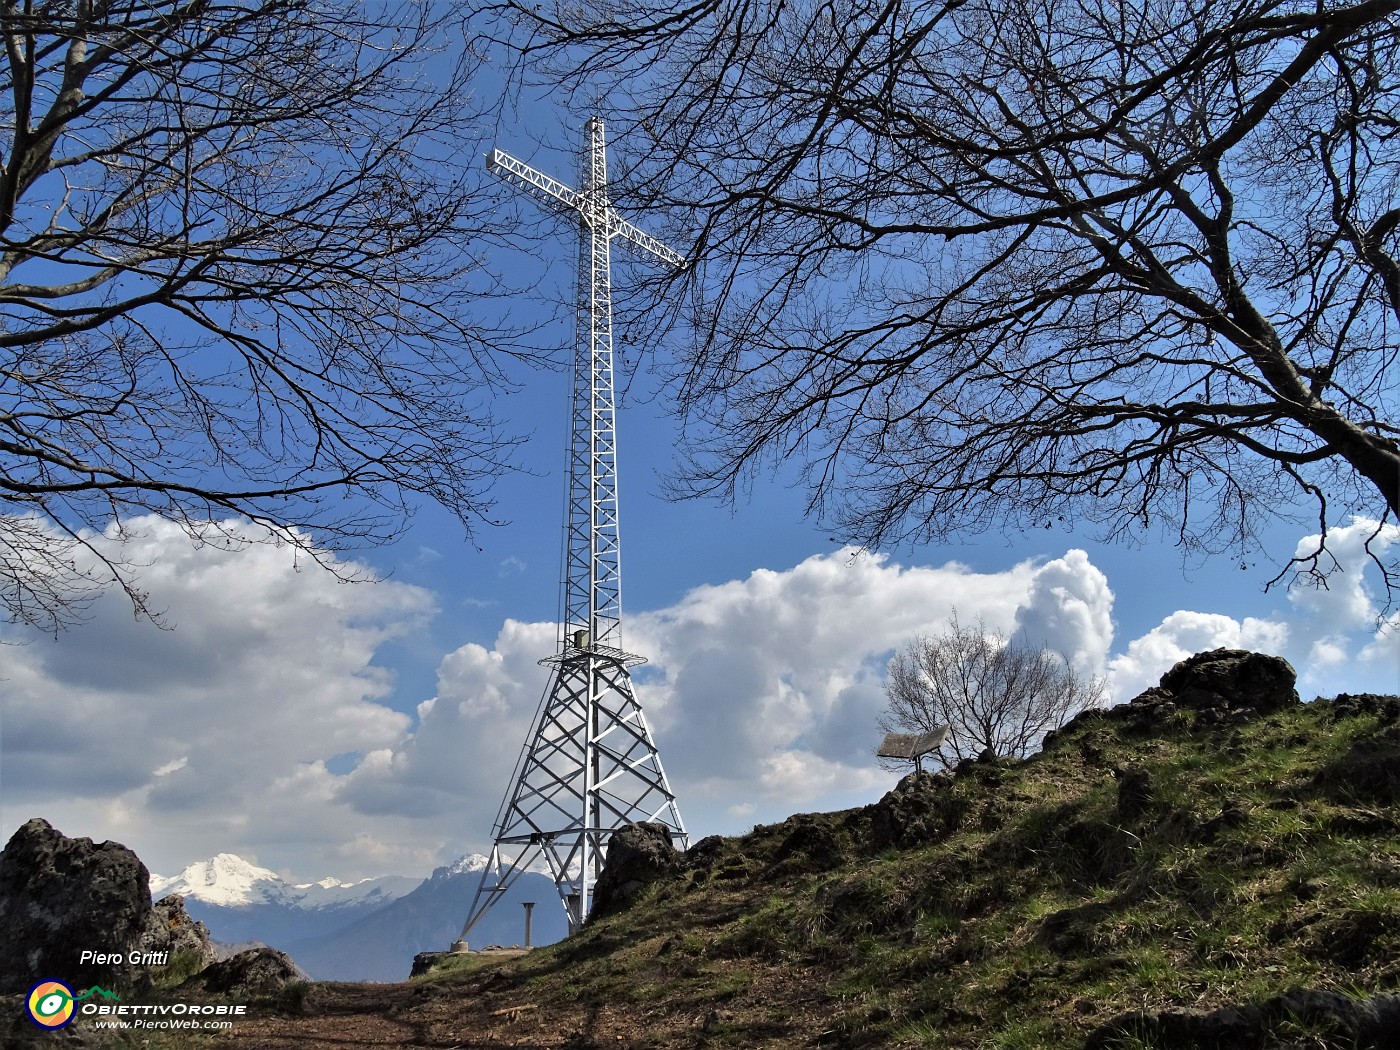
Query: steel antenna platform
[{"x": 590, "y": 765}]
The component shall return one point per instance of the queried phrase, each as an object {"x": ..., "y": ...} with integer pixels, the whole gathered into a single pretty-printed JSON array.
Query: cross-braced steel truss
[{"x": 590, "y": 764}]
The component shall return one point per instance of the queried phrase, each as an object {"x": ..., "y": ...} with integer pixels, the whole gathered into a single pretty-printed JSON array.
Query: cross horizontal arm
[
  {"x": 646, "y": 243},
  {"x": 539, "y": 185},
  {"x": 556, "y": 195}
]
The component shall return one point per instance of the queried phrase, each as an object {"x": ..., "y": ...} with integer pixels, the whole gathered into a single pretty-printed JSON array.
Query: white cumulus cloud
[
  {"x": 262, "y": 722},
  {"x": 762, "y": 693},
  {"x": 210, "y": 734}
]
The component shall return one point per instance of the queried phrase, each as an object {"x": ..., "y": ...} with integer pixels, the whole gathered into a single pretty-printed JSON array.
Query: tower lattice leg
[{"x": 590, "y": 766}]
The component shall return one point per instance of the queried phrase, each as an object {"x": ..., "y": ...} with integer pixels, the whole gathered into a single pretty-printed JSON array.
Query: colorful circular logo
[{"x": 51, "y": 1004}]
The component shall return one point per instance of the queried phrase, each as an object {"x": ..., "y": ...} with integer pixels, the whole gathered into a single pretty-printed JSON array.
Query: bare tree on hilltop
[
  {"x": 990, "y": 264},
  {"x": 235, "y": 279},
  {"x": 994, "y": 693}
]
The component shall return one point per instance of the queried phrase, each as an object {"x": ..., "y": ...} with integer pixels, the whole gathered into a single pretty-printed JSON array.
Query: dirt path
[
  {"x": 495, "y": 1009},
  {"x": 437, "y": 1018}
]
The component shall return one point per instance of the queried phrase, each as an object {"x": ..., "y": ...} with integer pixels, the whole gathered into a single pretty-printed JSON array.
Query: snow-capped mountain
[
  {"x": 366, "y": 930},
  {"x": 240, "y": 901},
  {"x": 229, "y": 881},
  {"x": 462, "y": 865}
]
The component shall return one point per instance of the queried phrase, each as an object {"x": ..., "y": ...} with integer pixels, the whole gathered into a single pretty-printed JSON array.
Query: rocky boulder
[
  {"x": 1231, "y": 680},
  {"x": 638, "y": 855},
  {"x": 1220, "y": 687},
  {"x": 171, "y": 930},
  {"x": 60, "y": 897},
  {"x": 1134, "y": 794},
  {"x": 812, "y": 843},
  {"x": 424, "y": 962},
  {"x": 258, "y": 973},
  {"x": 1355, "y": 705},
  {"x": 920, "y": 809}
]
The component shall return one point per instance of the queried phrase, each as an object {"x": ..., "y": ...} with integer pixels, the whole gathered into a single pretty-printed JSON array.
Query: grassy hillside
[{"x": 1153, "y": 857}]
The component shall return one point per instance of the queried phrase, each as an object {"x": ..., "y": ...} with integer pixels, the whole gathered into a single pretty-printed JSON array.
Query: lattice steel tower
[{"x": 590, "y": 764}]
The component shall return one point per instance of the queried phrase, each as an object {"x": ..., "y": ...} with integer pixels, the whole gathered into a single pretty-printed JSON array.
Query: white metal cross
[{"x": 590, "y": 765}]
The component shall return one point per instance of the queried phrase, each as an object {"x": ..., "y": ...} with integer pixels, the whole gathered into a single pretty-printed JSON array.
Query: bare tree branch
[
  {"x": 994, "y": 264},
  {"x": 236, "y": 276}
]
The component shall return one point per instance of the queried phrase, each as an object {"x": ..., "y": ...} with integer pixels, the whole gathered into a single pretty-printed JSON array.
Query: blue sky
[
  {"x": 671, "y": 546},
  {"x": 320, "y": 728}
]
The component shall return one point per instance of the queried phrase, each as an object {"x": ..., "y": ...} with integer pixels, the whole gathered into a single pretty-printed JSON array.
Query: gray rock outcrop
[
  {"x": 255, "y": 974},
  {"x": 424, "y": 962},
  {"x": 1233, "y": 680},
  {"x": 1218, "y": 687},
  {"x": 171, "y": 930},
  {"x": 920, "y": 809},
  {"x": 60, "y": 897},
  {"x": 638, "y": 855}
]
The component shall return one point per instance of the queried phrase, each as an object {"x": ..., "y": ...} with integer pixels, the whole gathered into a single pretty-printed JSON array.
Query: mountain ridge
[
  {"x": 227, "y": 880},
  {"x": 368, "y": 930}
]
